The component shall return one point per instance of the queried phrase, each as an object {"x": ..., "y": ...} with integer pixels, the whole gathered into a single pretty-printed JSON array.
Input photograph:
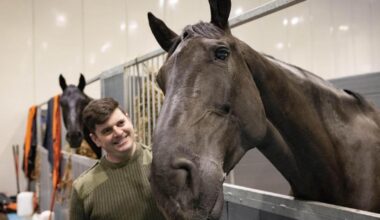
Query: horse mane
[
  {"x": 357, "y": 96},
  {"x": 301, "y": 70},
  {"x": 312, "y": 77}
]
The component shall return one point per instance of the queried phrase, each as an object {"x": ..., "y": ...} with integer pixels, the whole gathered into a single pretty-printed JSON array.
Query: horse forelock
[
  {"x": 73, "y": 101},
  {"x": 203, "y": 29},
  {"x": 73, "y": 93}
]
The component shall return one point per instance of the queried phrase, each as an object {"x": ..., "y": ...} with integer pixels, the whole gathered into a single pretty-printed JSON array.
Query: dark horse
[
  {"x": 73, "y": 100},
  {"x": 223, "y": 98}
]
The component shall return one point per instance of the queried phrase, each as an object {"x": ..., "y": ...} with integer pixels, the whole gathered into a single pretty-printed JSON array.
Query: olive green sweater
[{"x": 115, "y": 191}]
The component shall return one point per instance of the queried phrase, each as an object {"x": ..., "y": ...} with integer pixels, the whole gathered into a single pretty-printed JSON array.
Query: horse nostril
[{"x": 187, "y": 174}]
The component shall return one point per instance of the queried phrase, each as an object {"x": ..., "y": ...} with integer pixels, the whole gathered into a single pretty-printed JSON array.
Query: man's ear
[{"x": 95, "y": 139}]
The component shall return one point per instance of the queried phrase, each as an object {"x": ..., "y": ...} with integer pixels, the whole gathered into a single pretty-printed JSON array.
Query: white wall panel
[
  {"x": 179, "y": 13},
  {"x": 17, "y": 83},
  {"x": 299, "y": 36},
  {"x": 139, "y": 38},
  {"x": 375, "y": 34},
  {"x": 322, "y": 53},
  {"x": 57, "y": 44},
  {"x": 267, "y": 35},
  {"x": 342, "y": 38},
  {"x": 361, "y": 35},
  {"x": 104, "y": 43}
]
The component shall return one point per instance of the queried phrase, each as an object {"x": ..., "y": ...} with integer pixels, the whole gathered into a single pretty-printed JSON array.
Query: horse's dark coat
[
  {"x": 73, "y": 101},
  {"x": 223, "y": 98}
]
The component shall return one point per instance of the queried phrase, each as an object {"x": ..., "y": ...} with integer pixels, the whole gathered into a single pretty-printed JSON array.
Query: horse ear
[
  {"x": 62, "y": 82},
  {"x": 82, "y": 82},
  {"x": 220, "y": 11},
  {"x": 164, "y": 36}
]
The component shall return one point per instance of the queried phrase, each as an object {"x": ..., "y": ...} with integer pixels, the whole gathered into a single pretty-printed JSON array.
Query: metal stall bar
[
  {"x": 261, "y": 11},
  {"x": 152, "y": 76},
  {"x": 160, "y": 94},
  {"x": 144, "y": 100},
  {"x": 130, "y": 94},
  {"x": 245, "y": 204},
  {"x": 148, "y": 135},
  {"x": 161, "y": 60},
  {"x": 138, "y": 102}
]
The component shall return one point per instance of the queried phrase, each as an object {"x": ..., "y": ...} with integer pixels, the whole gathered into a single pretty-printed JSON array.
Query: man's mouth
[{"x": 121, "y": 141}]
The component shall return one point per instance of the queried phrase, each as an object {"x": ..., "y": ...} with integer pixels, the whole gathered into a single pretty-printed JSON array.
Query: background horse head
[
  {"x": 222, "y": 98},
  {"x": 73, "y": 100}
]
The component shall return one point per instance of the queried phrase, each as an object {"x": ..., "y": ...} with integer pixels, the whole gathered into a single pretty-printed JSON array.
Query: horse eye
[{"x": 222, "y": 53}]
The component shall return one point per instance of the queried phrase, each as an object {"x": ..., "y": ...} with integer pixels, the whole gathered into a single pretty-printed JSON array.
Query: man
[{"x": 117, "y": 186}]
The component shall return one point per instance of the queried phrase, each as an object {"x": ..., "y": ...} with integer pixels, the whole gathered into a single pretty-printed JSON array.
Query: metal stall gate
[
  {"x": 133, "y": 85},
  {"x": 61, "y": 208},
  {"x": 249, "y": 204}
]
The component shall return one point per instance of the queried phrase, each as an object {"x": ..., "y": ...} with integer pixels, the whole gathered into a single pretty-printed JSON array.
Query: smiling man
[{"x": 117, "y": 186}]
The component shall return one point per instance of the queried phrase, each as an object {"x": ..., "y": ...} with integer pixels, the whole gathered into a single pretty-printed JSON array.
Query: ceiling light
[
  {"x": 295, "y": 20},
  {"x": 343, "y": 27},
  {"x": 60, "y": 20},
  {"x": 123, "y": 26},
  {"x": 238, "y": 11},
  {"x": 105, "y": 47},
  {"x": 280, "y": 46}
]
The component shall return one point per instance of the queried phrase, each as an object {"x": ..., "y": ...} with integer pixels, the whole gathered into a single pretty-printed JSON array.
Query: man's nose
[{"x": 117, "y": 131}]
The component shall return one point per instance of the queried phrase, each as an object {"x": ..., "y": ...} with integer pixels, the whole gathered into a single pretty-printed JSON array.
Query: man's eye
[
  {"x": 107, "y": 131},
  {"x": 120, "y": 123}
]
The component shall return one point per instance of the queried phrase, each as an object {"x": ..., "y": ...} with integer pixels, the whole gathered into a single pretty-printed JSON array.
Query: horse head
[
  {"x": 72, "y": 101},
  {"x": 202, "y": 131}
]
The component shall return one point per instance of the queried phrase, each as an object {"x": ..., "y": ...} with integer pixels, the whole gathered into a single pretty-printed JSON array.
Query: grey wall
[{"x": 367, "y": 85}]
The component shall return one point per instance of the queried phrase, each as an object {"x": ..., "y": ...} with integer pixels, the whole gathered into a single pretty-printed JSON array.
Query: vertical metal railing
[{"x": 143, "y": 97}]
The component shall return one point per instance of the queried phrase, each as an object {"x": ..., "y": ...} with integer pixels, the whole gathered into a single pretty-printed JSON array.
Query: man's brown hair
[{"x": 97, "y": 112}]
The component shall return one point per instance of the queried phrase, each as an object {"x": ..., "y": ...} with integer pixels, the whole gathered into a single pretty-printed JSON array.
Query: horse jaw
[{"x": 232, "y": 158}]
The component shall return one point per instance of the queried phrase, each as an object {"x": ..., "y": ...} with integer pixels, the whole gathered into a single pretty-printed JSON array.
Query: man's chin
[{"x": 126, "y": 147}]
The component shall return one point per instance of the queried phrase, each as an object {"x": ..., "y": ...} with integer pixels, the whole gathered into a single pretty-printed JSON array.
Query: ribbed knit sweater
[{"x": 115, "y": 191}]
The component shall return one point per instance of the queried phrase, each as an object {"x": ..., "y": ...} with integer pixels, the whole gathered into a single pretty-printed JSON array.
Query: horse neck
[{"x": 298, "y": 124}]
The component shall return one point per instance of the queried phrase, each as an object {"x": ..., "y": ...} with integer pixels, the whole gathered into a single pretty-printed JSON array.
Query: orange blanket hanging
[{"x": 28, "y": 140}]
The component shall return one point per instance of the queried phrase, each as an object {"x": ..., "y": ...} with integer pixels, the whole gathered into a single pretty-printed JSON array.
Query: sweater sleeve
[{"x": 76, "y": 207}]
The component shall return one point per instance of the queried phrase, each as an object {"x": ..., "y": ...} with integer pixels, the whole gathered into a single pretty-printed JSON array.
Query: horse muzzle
[{"x": 74, "y": 138}]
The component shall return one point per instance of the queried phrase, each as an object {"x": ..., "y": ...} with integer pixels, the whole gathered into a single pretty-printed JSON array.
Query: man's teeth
[{"x": 121, "y": 140}]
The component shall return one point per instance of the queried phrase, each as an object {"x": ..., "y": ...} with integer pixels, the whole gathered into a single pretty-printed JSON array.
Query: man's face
[{"x": 115, "y": 136}]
